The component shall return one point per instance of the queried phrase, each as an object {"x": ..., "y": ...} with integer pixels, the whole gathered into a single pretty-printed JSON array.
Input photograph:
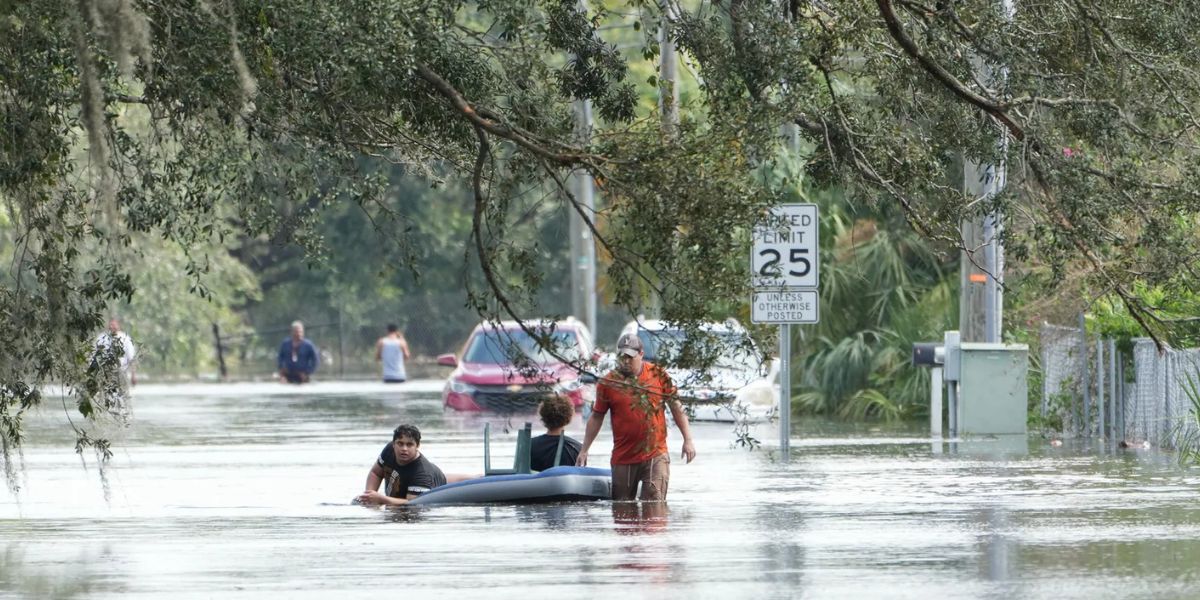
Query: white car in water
[{"x": 739, "y": 384}]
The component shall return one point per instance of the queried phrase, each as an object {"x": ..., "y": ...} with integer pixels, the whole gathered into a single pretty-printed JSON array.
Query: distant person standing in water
[
  {"x": 391, "y": 351},
  {"x": 298, "y": 356},
  {"x": 118, "y": 343},
  {"x": 116, "y": 356}
]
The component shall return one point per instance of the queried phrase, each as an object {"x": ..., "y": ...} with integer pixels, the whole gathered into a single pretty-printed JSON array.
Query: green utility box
[{"x": 993, "y": 394}]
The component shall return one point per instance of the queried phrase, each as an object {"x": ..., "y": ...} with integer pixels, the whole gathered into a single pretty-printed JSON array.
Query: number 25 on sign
[{"x": 786, "y": 247}]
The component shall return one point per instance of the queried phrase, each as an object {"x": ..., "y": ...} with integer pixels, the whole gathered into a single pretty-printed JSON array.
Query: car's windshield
[
  {"x": 501, "y": 347},
  {"x": 725, "y": 349}
]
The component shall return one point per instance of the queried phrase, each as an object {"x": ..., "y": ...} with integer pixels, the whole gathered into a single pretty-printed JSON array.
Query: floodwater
[{"x": 242, "y": 491}]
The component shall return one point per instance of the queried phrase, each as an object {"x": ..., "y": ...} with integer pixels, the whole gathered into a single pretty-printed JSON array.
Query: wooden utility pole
[
  {"x": 981, "y": 269},
  {"x": 220, "y": 353}
]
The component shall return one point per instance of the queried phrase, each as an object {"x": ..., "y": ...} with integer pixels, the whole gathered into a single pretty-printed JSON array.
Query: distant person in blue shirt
[
  {"x": 391, "y": 351},
  {"x": 298, "y": 356}
]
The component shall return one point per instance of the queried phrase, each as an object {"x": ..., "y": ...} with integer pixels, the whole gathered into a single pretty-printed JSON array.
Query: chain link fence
[
  {"x": 1086, "y": 391},
  {"x": 1064, "y": 358},
  {"x": 1161, "y": 410}
]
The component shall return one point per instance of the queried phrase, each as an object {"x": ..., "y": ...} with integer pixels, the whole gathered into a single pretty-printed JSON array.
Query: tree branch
[
  {"x": 938, "y": 72},
  {"x": 487, "y": 121}
]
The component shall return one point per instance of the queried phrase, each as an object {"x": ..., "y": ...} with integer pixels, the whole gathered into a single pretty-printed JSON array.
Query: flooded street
[{"x": 243, "y": 491}]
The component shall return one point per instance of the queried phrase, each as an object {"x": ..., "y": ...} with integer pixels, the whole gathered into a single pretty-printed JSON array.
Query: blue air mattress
[{"x": 559, "y": 483}]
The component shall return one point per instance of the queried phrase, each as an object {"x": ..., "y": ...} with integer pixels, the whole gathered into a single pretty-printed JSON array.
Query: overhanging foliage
[{"x": 200, "y": 122}]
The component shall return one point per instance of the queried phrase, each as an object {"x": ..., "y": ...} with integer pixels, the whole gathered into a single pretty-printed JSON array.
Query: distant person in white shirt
[
  {"x": 118, "y": 343},
  {"x": 391, "y": 351}
]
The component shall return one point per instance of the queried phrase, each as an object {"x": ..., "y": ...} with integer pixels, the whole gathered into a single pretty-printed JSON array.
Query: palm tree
[{"x": 882, "y": 288}]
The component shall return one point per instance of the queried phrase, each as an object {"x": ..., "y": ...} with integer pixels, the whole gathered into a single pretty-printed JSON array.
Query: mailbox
[
  {"x": 927, "y": 354},
  {"x": 947, "y": 354}
]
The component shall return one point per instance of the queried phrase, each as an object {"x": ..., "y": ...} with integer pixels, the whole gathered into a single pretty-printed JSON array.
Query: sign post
[{"x": 785, "y": 276}]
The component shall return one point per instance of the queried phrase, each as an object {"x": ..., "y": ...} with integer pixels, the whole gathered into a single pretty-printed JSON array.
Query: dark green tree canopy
[{"x": 202, "y": 122}]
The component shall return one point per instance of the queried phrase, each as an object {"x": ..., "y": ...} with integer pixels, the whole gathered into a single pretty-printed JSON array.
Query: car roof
[
  {"x": 568, "y": 323},
  {"x": 729, "y": 325}
]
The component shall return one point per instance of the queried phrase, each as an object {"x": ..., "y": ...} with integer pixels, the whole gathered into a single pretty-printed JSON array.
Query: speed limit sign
[{"x": 785, "y": 249}]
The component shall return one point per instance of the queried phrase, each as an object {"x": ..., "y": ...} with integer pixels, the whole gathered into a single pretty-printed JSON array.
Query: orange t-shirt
[{"x": 639, "y": 421}]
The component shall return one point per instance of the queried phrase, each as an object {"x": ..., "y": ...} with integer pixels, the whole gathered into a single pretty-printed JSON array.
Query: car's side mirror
[
  {"x": 773, "y": 369},
  {"x": 447, "y": 360}
]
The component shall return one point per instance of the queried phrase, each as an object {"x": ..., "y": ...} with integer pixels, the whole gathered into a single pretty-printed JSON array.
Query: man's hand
[
  {"x": 689, "y": 450},
  {"x": 581, "y": 460},
  {"x": 373, "y": 498}
]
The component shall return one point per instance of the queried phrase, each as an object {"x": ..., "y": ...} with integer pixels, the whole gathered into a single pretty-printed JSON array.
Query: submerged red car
[{"x": 503, "y": 368}]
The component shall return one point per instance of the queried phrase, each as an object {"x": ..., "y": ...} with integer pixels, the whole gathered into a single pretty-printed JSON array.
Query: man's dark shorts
[{"x": 294, "y": 376}]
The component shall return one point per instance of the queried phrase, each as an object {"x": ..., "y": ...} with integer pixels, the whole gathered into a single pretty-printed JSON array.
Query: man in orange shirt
[{"x": 638, "y": 393}]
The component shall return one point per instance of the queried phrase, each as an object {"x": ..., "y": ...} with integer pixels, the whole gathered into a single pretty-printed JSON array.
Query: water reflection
[
  {"x": 781, "y": 555},
  {"x": 998, "y": 447},
  {"x": 402, "y": 514},
  {"x": 997, "y": 545},
  {"x": 641, "y": 524},
  {"x": 640, "y": 518},
  {"x": 71, "y": 579},
  {"x": 553, "y": 517}
]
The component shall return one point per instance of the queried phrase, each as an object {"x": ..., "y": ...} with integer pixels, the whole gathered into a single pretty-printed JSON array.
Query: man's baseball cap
[{"x": 629, "y": 344}]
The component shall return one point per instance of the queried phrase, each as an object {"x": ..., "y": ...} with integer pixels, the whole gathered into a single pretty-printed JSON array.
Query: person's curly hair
[
  {"x": 408, "y": 431},
  {"x": 556, "y": 412}
]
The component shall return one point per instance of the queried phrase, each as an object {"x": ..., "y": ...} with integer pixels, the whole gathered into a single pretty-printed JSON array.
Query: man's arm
[
  {"x": 131, "y": 352},
  {"x": 421, "y": 483},
  {"x": 378, "y": 499},
  {"x": 681, "y": 421},
  {"x": 373, "y": 497},
  {"x": 379, "y": 350},
  {"x": 595, "y": 422},
  {"x": 316, "y": 358},
  {"x": 404, "y": 346},
  {"x": 374, "y": 477},
  {"x": 283, "y": 356}
]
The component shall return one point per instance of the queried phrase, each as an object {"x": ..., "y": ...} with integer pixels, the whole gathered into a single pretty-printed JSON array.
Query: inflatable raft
[
  {"x": 519, "y": 484},
  {"x": 551, "y": 485}
]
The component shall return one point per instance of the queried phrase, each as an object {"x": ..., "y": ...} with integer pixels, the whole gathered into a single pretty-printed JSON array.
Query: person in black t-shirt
[
  {"x": 556, "y": 413},
  {"x": 405, "y": 472}
]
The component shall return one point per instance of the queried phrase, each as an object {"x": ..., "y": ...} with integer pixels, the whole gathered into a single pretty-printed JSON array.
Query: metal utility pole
[
  {"x": 785, "y": 391},
  {"x": 585, "y": 264},
  {"x": 668, "y": 102},
  {"x": 668, "y": 98},
  {"x": 583, "y": 245},
  {"x": 792, "y": 133}
]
